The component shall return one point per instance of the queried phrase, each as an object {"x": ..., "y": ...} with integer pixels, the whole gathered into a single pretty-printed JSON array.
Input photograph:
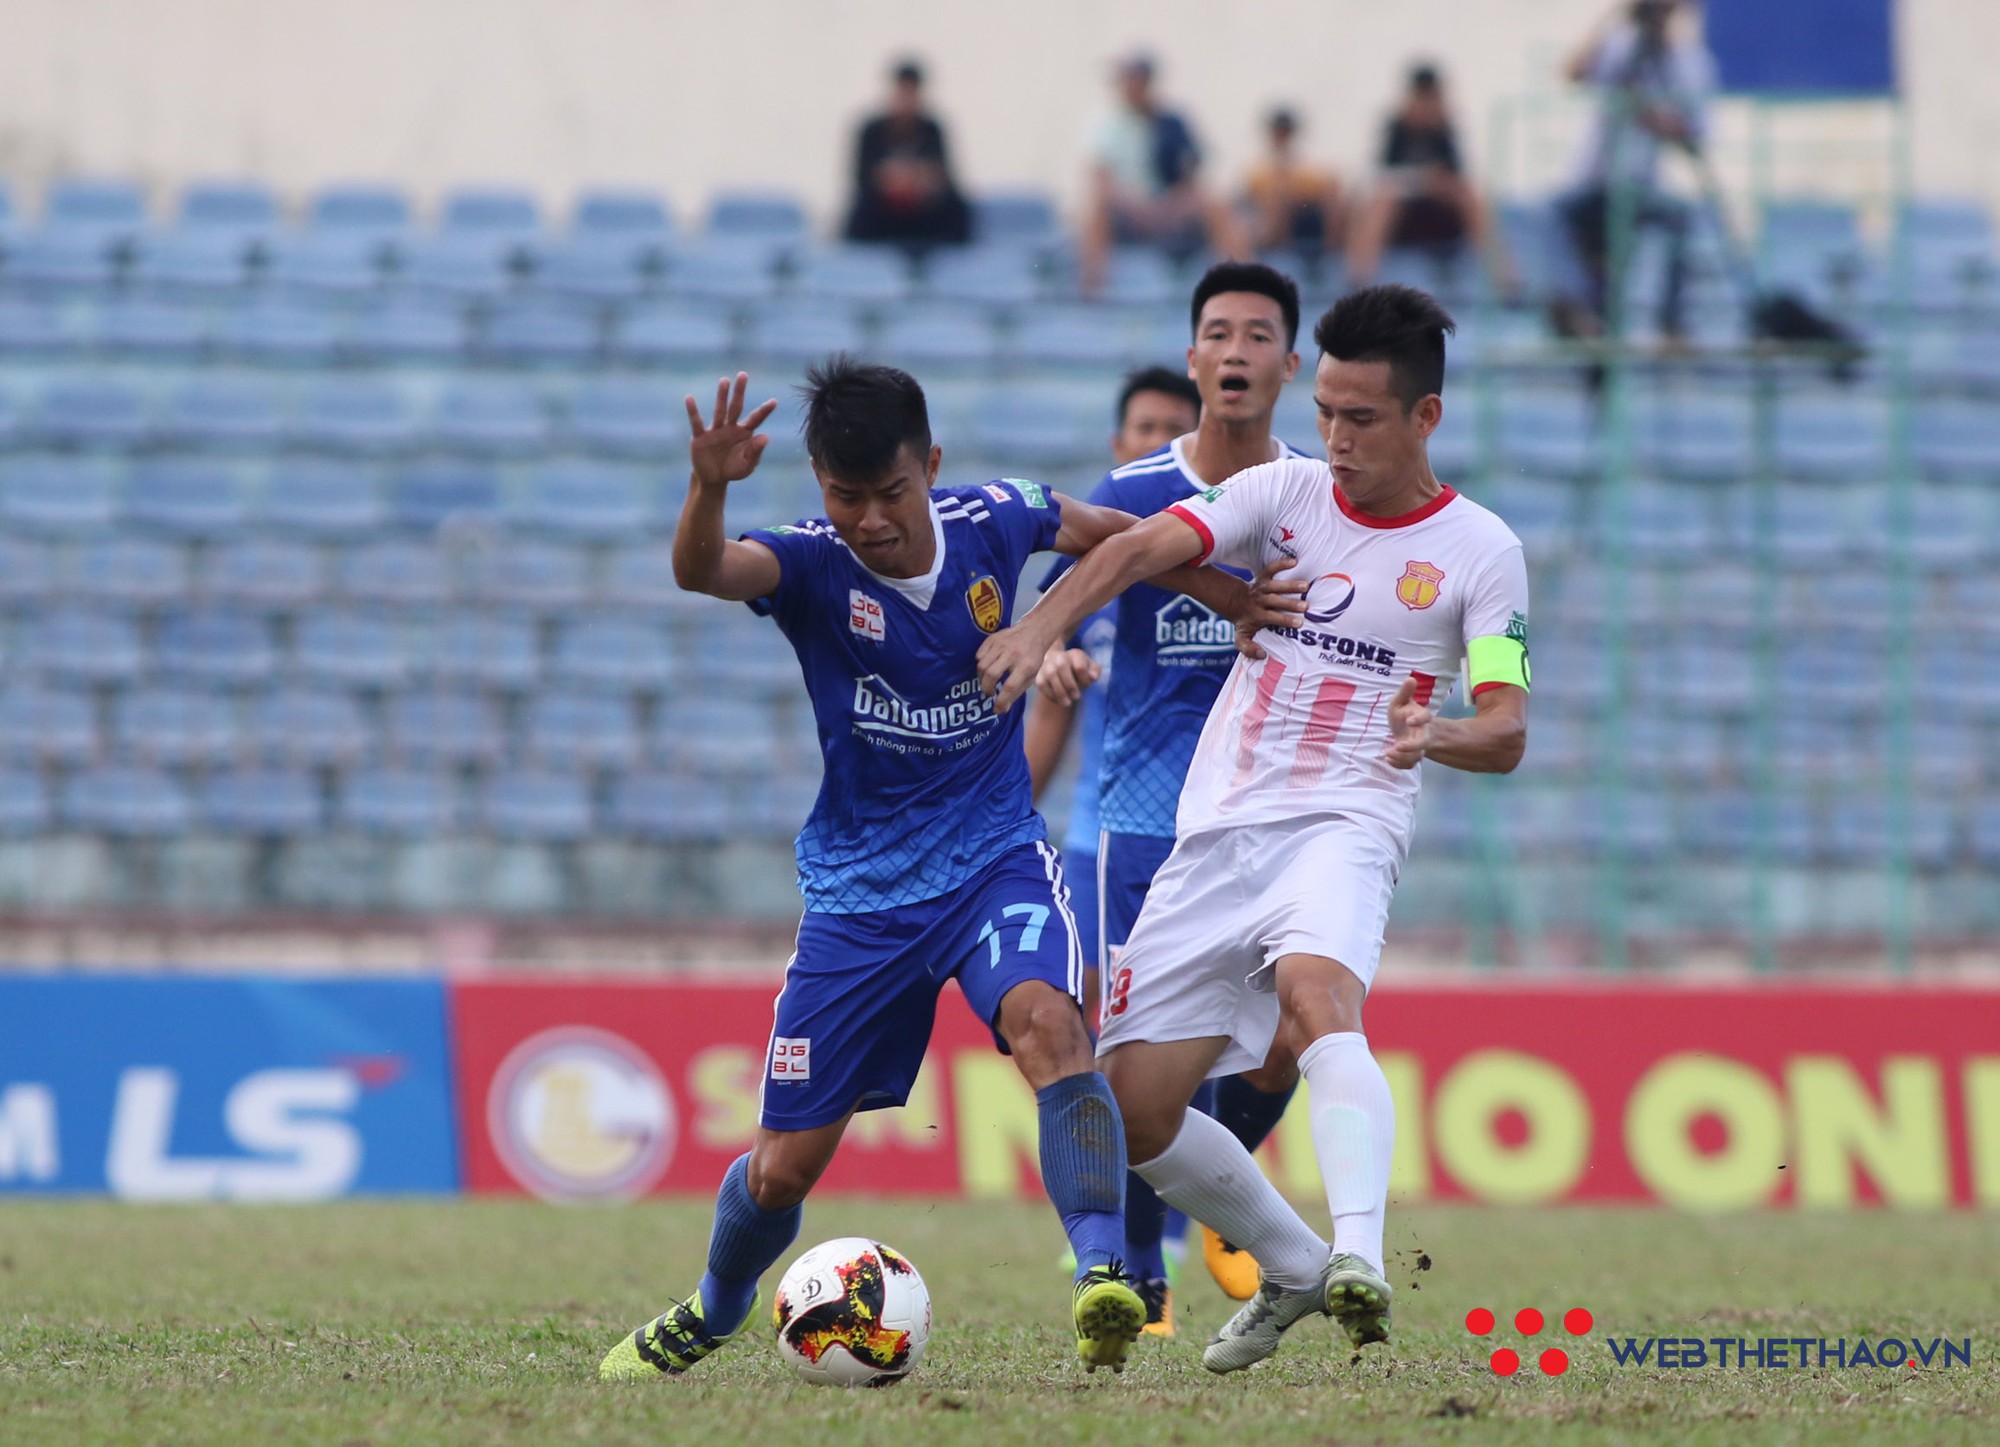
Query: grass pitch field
[{"x": 482, "y": 1322}]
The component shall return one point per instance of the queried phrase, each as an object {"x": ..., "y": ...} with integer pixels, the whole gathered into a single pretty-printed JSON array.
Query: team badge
[
  {"x": 988, "y": 607},
  {"x": 1418, "y": 587}
]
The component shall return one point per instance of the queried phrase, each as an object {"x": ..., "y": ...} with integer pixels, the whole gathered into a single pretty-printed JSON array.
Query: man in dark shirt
[
  {"x": 903, "y": 189},
  {"x": 1423, "y": 199}
]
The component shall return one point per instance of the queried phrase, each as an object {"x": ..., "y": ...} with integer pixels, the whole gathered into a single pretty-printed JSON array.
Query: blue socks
[
  {"x": 1251, "y": 1114},
  {"x": 1146, "y": 1218},
  {"x": 742, "y": 1245},
  {"x": 1083, "y": 1165}
]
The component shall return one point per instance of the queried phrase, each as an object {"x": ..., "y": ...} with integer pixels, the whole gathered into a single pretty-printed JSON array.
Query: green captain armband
[{"x": 1498, "y": 659}]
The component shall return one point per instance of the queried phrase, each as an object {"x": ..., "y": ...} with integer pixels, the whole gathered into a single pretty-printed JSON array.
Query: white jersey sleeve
[
  {"x": 1235, "y": 517},
  {"x": 1496, "y": 604}
]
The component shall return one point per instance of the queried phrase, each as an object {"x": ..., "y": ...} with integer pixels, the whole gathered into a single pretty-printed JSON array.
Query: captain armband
[{"x": 1495, "y": 660}]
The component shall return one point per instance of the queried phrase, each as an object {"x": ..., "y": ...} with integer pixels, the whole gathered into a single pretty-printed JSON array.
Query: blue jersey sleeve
[
  {"x": 1029, "y": 512},
  {"x": 800, "y": 548}
]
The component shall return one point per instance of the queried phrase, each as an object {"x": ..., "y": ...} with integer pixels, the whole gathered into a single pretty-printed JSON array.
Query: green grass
[{"x": 483, "y": 1322}]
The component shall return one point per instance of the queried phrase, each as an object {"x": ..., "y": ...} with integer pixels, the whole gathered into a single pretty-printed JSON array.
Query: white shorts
[{"x": 1224, "y": 908}]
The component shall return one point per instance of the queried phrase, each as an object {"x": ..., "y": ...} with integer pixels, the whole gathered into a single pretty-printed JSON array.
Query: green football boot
[
  {"x": 669, "y": 1344},
  {"x": 1109, "y": 1317}
]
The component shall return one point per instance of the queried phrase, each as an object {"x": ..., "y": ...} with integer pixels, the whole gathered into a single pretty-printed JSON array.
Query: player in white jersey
[{"x": 1298, "y": 809}]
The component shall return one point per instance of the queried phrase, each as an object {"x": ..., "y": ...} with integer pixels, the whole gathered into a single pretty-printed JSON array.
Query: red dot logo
[{"x": 1529, "y": 1321}]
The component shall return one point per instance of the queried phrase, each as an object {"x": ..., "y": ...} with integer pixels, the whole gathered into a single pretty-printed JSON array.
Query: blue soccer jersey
[
  {"x": 1169, "y": 662},
  {"x": 1095, "y": 637},
  {"x": 925, "y": 784}
]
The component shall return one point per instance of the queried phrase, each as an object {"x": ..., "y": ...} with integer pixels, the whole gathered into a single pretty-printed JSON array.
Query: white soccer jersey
[{"x": 1302, "y": 732}]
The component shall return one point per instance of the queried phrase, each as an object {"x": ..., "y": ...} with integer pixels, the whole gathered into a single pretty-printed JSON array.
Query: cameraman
[{"x": 1654, "y": 75}]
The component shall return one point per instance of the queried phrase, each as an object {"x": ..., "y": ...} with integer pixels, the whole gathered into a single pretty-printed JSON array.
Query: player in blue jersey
[
  {"x": 1155, "y": 406},
  {"x": 1168, "y": 663},
  {"x": 923, "y": 859}
]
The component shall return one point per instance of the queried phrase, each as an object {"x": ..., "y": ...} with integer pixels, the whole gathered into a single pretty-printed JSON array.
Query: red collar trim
[{"x": 1402, "y": 520}]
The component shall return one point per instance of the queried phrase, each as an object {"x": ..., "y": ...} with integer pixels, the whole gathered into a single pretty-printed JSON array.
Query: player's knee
[
  {"x": 1044, "y": 1029},
  {"x": 1148, "y": 1133},
  {"x": 777, "y": 1182}
]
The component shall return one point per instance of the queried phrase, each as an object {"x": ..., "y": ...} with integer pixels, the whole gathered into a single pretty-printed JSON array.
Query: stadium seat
[
  {"x": 1707, "y": 679},
  {"x": 492, "y": 211},
  {"x": 394, "y": 571},
  {"x": 727, "y": 270},
  {"x": 614, "y": 652},
  {"x": 307, "y": 727},
  {"x": 81, "y": 645},
  {"x": 1139, "y": 276},
  {"x": 125, "y": 569},
  {"x": 357, "y": 650},
  {"x": 190, "y": 263},
  {"x": 671, "y": 808},
  {"x": 36, "y": 328},
  {"x": 107, "y": 211},
  {"x": 397, "y": 803},
  {"x": 1957, "y": 440},
  {"x": 540, "y": 331},
  {"x": 789, "y": 335},
  {"x": 673, "y": 332},
  {"x": 361, "y": 418},
  {"x": 1031, "y": 427},
  {"x": 1727, "y": 826},
  {"x": 1070, "y": 336},
  {"x": 224, "y": 413},
  {"x": 734, "y": 650},
  {"x": 615, "y": 215},
  {"x": 754, "y": 216},
  {"x": 126, "y": 802},
  {"x": 430, "y": 495},
  {"x": 585, "y": 500},
  {"x": 58, "y": 495},
  {"x": 153, "y": 329},
  {"x": 216, "y": 647},
  {"x": 264, "y": 572},
  {"x": 714, "y": 734},
  {"x": 322, "y": 499},
  {"x": 264, "y": 332},
  {"x": 1694, "y": 434},
  {"x": 174, "y": 727},
  {"x": 464, "y": 265},
  {"x": 436, "y": 726},
  {"x": 581, "y": 731},
  {"x": 481, "y": 647},
  {"x": 27, "y": 570},
  {"x": 1548, "y": 433},
  {"x": 985, "y": 275},
  {"x": 191, "y": 499},
  {"x": 534, "y": 804},
  {"x": 1020, "y": 219},
  {"x": 492, "y": 419},
  {"x": 47, "y": 726},
  {"x": 775, "y": 806},
  {"x": 628, "y": 419},
  {"x": 1861, "y": 830},
  {"x": 869, "y": 275},
  {"x": 642, "y": 576},
  {"x": 98, "y": 413},
  {"x": 1948, "y": 527},
  {"x": 594, "y": 269},
  {"x": 381, "y": 213},
  {"x": 1833, "y": 438},
  {"x": 57, "y": 263},
  {"x": 532, "y": 574},
  {"x": 246, "y": 210},
  {"x": 25, "y": 806},
  {"x": 405, "y": 329},
  {"x": 271, "y": 803},
  {"x": 332, "y": 264},
  {"x": 1540, "y": 512},
  {"x": 938, "y": 337}
]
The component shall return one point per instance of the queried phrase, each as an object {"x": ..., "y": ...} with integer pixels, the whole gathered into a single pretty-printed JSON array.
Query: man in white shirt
[{"x": 1298, "y": 809}]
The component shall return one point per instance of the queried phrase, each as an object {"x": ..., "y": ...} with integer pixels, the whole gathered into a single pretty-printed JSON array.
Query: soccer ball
[{"x": 852, "y": 1313}]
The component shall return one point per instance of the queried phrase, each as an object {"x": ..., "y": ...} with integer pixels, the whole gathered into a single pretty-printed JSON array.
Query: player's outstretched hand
[
  {"x": 1409, "y": 727},
  {"x": 727, "y": 447},
  {"x": 1008, "y": 663},
  {"x": 1066, "y": 673},
  {"x": 1274, "y": 602}
]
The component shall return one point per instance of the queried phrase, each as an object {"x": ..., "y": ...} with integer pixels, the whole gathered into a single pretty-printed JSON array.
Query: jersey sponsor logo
[
  {"x": 880, "y": 710},
  {"x": 1031, "y": 492},
  {"x": 1517, "y": 628},
  {"x": 1211, "y": 494},
  {"x": 1418, "y": 587},
  {"x": 1284, "y": 540},
  {"x": 988, "y": 605},
  {"x": 791, "y": 1058},
  {"x": 1183, "y": 627},
  {"x": 864, "y": 617},
  {"x": 1330, "y": 595},
  {"x": 998, "y": 493},
  {"x": 1338, "y": 648}
]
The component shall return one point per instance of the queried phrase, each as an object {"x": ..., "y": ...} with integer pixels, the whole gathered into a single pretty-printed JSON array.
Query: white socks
[
  {"x": 1207, "y": 1173},
  {"x": 1354, "y": 1134}
]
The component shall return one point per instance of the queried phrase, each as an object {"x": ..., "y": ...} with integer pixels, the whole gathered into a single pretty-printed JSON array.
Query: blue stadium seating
[
  {"x": 492, "y": 211},
  {"x": 595, "y": 269},
  {"x": 362, "y": 418},
  {"x": 264, "y": 572},
  {"x": 216, "y": 647},
  {"x": 475, "y": 265},
  {"x": 58, "y": 264},
  {"x": 582, "y": 730},
  {"x": 479, "y": 646},
  {"x": 307, "y": 727},
  {"x": 30, "y": 328},
  {"x": 44, "y": 725},
  {"x": 734, "y": 271},
  {"x": 403, "y": 329},
  {"x": 753, "y": 216},
  {"x": 126, "y": 802},
  {"x": 1016, "y": 219},
  {"x": 625, "y": 419},
  {"x": 673, "y": 332},
  {"x": 714, "y": 734},
  {"x": 49, "y": 495},
  {"x": 444, "y": 727},
  {"x": 331, "y": 264},
  {"x": 594, "y": 502},
  {"x": 81, "y": 645},
  {"x": 25, "y": 806},
  {"x": 174, "y": 726},
  {"x": 189, "y": 498},
  {"x": 280, "y": 332},
  {"x": 492, "y": 419},
  {"x": 1072, "y": 336},
  {"x": 613, "y": 214},
  {"x": 213, "y": 413},
  {"x": 431, "y": 494},
  {"x": 191, "y": 263},
  {"x": 106, "y": 211},
  {"x": 120, "y": 568},
  {"x": 379, "y": 212},
  {"x": 793, "y": 334},
  {"x": 615, "y": 652},
  {"x": 531, "y": 574},
  {"x": 674, "y": 808},
  {"x": 395, "y": 571},
  {"x": 877, "y": 275},
  {"x": 97, "y": 413},
  {"x": 540, "y": 332},
  {"x": 533, "y": 804},
  {"x": 27, "y": 570},
  {"x": 322, "y": 499},
  {"x": 988, "y": 275},
  {"x": 938, "y": 337},
  {"x": 641, "y": 576},
  {"x": 359, "y": 650},
  {"x": 397, "y": 803},
  {"x": 244, "y": 210},
  {"x": 271, "y": 802}
]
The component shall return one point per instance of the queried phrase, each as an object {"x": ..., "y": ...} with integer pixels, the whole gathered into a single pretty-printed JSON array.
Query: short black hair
[
  {"x": 1395, "y": 324},
  {"x": 1254, "y": 276},
  {"x": 908, "y": 72},
  {"x": 859, "y": 415},
  {"x": 1282, "y": 118},
  {"x": 1157, "y": 379},
  {"x": 1423, "y": 76}
]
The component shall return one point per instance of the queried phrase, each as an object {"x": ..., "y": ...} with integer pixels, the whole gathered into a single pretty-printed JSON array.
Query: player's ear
[
  {"x": 1291, "y": 366},
  {"x": 1428, "y": 412},
  {"x": 931, "y": 465},
  {"x": 1190, "y": 360}
]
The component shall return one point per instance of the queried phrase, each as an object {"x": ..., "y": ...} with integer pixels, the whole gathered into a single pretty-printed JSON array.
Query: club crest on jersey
[
  {"x": 1418, "y": 587},
  {"x": 988, "y": 606},
  {"x": 864, "y": 617}
]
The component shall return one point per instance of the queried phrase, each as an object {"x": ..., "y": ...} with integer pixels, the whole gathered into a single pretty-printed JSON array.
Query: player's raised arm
[{"x": 724, "y": 450}]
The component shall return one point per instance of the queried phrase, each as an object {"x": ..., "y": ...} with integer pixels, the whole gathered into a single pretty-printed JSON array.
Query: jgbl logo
[{"x": 286, "y": 1121}]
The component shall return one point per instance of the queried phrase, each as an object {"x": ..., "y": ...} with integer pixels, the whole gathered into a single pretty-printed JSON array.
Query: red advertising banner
[{"x": 1707, "y": 1098}]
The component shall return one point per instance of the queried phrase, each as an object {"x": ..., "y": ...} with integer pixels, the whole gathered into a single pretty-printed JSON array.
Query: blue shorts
[
  {"x": 1126, "y": 864},
  {"x": 854, "y": 1017},
  {"x": 1080, "y": 869}
]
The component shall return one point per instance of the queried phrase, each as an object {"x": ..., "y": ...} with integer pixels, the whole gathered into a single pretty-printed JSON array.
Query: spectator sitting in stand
[
  {"x": 1422, "y": 199},
  {"x": 903, "y": 190},
  {"x": 1293, "y": 205},
  {"x": 1145, "y": 186}
]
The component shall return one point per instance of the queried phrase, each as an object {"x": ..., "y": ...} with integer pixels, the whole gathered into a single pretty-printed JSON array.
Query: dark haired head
[
  {"x": 1282, "y": 119},
  {"x": 860, "y": 415},
  {"x": 1157, "y": 379},
  {"x": 907, "y": 72},
  {"x": 1423, "y": 76},
  {"x": 1251, "y": 276},
  {"x": 1395, "y": 324}
]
